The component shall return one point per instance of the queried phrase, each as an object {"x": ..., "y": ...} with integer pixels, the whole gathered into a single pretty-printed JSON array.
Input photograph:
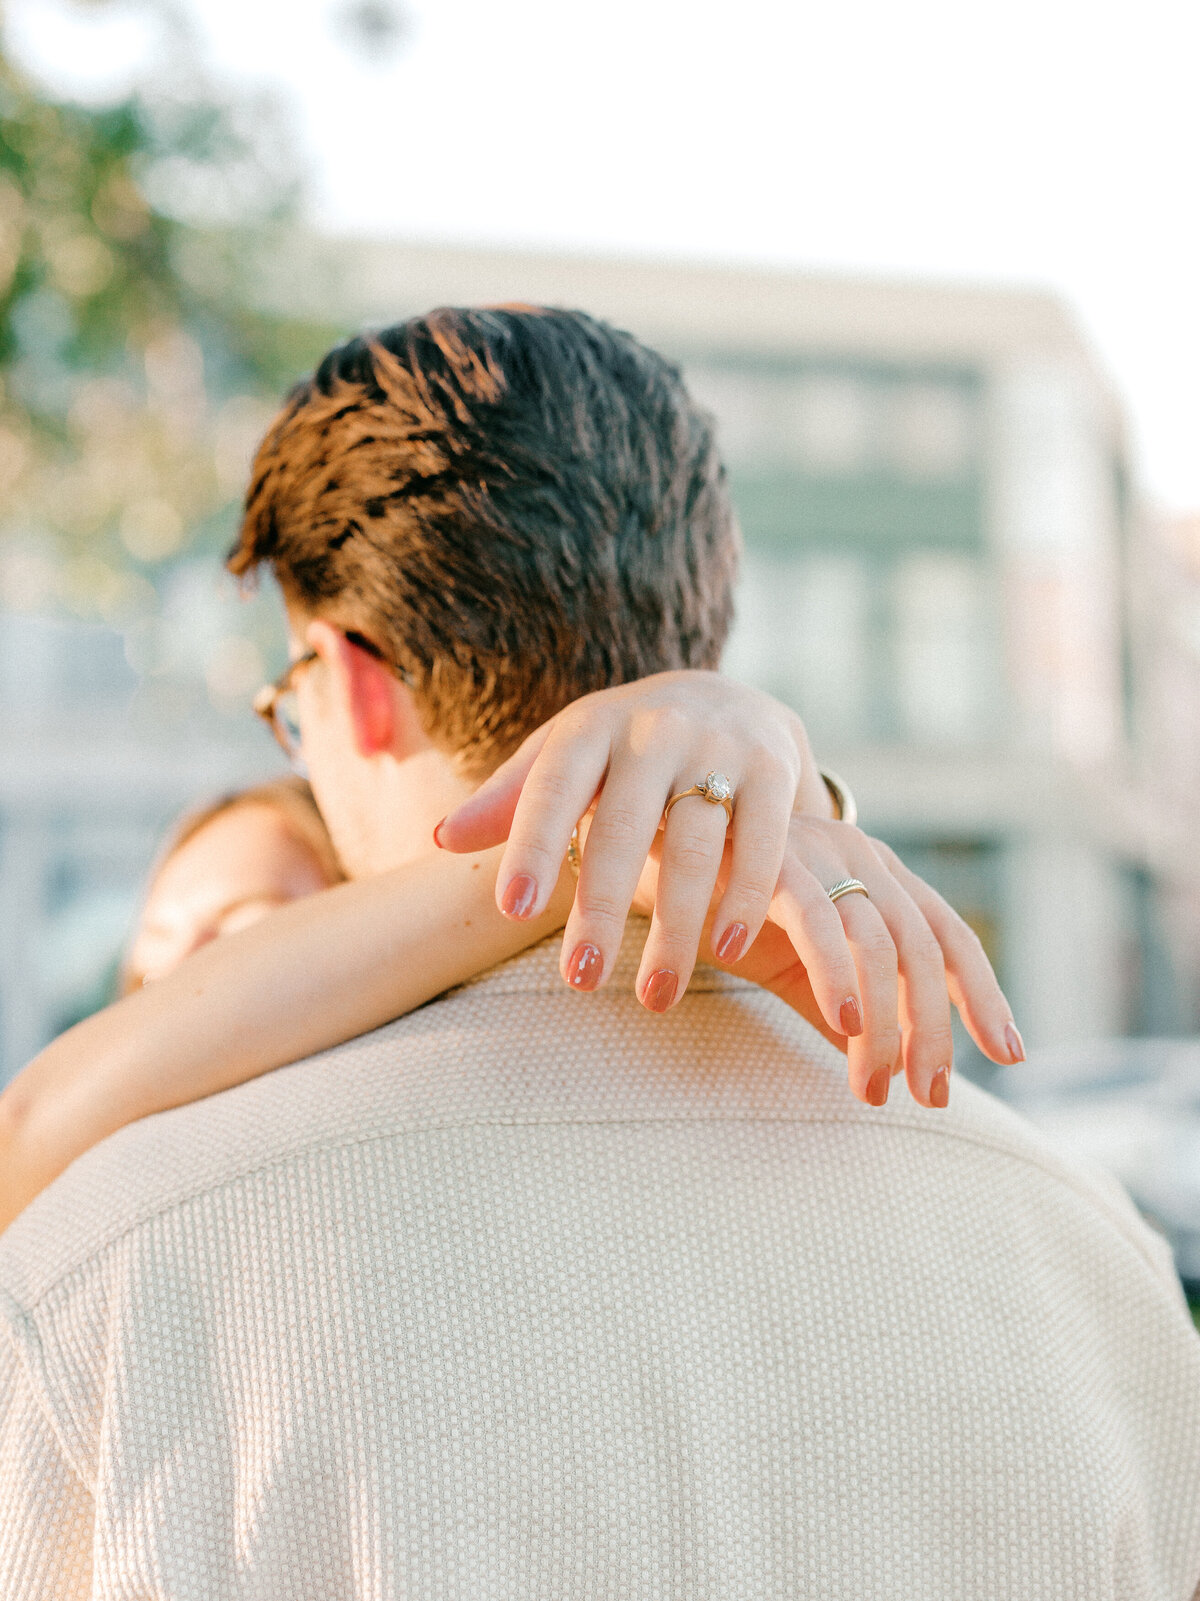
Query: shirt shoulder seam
[
  {"x": 27, "y": 1349},
  {"x": 1001, "y": 1147}
]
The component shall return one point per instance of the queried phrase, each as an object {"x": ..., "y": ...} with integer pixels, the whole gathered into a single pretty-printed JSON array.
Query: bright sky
[{"x": 1045, "y": 142}]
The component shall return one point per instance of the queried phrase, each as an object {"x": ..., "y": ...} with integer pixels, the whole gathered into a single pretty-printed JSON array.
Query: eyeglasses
[{"x": 277, "y": 705}]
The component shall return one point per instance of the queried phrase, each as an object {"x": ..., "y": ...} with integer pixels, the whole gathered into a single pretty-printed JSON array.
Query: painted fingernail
[
  {"x": 585, "y": 967},
  {"x": 660, "y": 989},
  {"x": 878, "y": 1086},
  {"x": 437, "y": 834},
  {"x": 732, "y": 942},
  {"x": 939, "y": 1089},
  {"x": 519, "y": 897},
  {"x": 851, "y": 1018},
  {"x": 1016, "y": 1045}
]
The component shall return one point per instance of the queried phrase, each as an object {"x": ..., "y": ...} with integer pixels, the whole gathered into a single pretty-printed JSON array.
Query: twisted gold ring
[{"x": 847, "y": 886}]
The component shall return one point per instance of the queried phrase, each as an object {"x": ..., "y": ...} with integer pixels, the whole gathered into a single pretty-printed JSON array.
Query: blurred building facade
[
  {"x": 97, "y": 757},
  {"x": 947, "y": 572}
]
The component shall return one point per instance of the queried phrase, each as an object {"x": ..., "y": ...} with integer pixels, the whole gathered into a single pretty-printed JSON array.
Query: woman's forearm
[{"x": 318, "y": 972}]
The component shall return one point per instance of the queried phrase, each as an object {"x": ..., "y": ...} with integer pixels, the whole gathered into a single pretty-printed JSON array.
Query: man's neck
[{"x": 411, "y": 797}]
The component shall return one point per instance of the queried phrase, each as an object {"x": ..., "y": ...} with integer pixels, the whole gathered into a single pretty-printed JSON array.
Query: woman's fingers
[
  {"x": 853, "y": 970},
  {"x": 762, "y": 812},
  {"x": 973, "y": 986},
  {"x": 773, "y": 963},
  {"x": 559, "y": 788},
  {"x": 619, "y": 838},
  {"x": 871, "y": 1056},
  {"x": 802, "y": 909},
  {"x": 692, "y": 848},
  {"x": 486, "y": 817},
  {"x": 925, "y": 1016},
  {"x": 589, "y": 750}
]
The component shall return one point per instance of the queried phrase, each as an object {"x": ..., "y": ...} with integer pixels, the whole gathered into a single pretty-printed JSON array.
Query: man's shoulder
[
  {"x": 369, "y": 1087},
  {"x": 513, "y": 1048}
]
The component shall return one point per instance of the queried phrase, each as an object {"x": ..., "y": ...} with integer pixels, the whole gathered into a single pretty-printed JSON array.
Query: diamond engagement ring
[{"x": 716, "y": 789}]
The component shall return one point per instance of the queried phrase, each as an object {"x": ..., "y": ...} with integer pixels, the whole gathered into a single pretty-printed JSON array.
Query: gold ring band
[
  {"x": 716, "y": 789},
  {"x": 847, "y": 886}
]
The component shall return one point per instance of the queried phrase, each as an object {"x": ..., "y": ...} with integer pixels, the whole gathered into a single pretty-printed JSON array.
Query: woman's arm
[
  {"x": 331, "y": 966},
  {"x": 311, "y": 975},
  {"x": 347, "y": 960}
]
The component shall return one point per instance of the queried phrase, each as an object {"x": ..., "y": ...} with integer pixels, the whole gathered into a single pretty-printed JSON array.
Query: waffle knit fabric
[{"x": 534, "y": 1295}]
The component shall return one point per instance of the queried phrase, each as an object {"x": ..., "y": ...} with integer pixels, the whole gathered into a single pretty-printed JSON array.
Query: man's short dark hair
[{"x": 515, "y": 505}]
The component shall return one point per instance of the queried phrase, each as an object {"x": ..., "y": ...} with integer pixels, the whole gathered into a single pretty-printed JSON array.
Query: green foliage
[
  {"x": 77, "y": 225},
  {"x": 134, "y": 372}
]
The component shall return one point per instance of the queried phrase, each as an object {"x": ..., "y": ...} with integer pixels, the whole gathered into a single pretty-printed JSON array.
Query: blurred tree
[{"x": 135, "y": 373}]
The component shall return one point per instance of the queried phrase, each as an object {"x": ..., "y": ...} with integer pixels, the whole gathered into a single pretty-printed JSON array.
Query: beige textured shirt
[{"x": 535, "y": 1296}]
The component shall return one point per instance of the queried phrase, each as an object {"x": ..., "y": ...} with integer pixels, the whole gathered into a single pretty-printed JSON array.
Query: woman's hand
[
  {"x": 625, "y": 752},
  {"x": 900, "y": 948},
  {"x": 877, "y": 973}
]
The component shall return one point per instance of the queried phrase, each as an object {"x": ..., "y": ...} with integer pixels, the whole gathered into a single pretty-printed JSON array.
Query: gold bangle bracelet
[{"x": 843, "y": 797}]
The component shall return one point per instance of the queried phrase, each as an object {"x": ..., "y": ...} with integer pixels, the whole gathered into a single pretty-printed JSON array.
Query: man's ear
[{"x": 365, "y": 686}]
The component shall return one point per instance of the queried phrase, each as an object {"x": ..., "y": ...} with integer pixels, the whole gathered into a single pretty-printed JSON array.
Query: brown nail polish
[
  {"x": 660, "y": 989},
  {"x": 1016, "y": 1045},
  {"x": 851, "y": 1017},
  {"x": 437, "y": 834},
  {"x": 878, "y": 1086},
  {"x": 939, "y": 1089},
  {"x": 732, "y": 942},
  {"x": 519, "y": 897},
  {"x": 585, "y": 967}
]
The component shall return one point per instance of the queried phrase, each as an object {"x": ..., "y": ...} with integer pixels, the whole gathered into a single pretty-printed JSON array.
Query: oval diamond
[{"x": 718, "y": 787}]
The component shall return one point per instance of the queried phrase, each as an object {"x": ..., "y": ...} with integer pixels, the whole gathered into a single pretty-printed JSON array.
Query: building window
[
  {"x": 947, "y": 685},
  {"x": 829, "y": 423},
  {"x": 803, "y": 633},
  {"x": 929, "y": 431},
  {"x": 841, "y": 422}
]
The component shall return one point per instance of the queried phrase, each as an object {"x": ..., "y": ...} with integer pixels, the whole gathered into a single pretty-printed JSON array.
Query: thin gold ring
[
  {"x": 716, "y": 789},
  {"x": 847, "y": 886}
]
